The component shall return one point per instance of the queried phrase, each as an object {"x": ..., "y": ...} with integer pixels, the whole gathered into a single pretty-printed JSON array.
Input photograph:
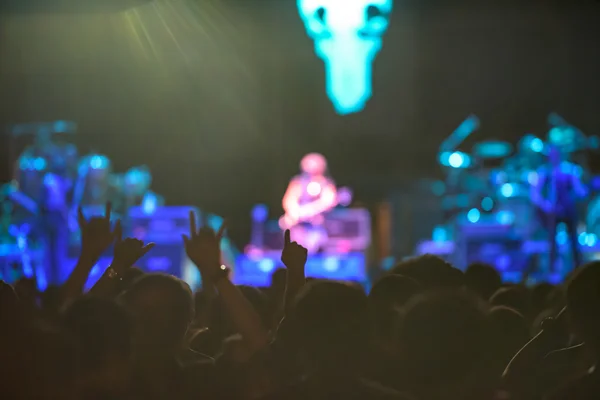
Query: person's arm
[
  {"x": 291, "y": 199},
  {"x": 126, "y": 254},
  {"x": 294, "y": 258},
  {"x": 581, "y": 191},
  {"x": 203, "y": 248},
  {"x": 536, "y": 191},
  {"x": 96, "y": 238}
]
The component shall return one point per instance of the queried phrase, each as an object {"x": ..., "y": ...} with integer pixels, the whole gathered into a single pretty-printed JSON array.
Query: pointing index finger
[
  {"x": 80, "y": 216},
  {"x": 118, "y": 232},
  {"x": 221, "y": 230},
  {"x": 286, "y": 237},
  {"x": 108, "y": 211},
  {"x": 193, "y": 230}
]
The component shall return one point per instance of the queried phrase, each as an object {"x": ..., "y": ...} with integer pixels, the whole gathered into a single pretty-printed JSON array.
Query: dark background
[{"x": 222, "y": 98}]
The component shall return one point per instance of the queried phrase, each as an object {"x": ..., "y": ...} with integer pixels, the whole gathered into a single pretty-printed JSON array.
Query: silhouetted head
[
  {"x": 393, "y": 291},
  {"x": 430, "y": 271},
  {"x": 103, "y": 330},
  {"x": 543, "y": 296},
  {"x": 482, "y": 279},
  {"x": 387, "y": 297},
  {"x": 583, "y": 303},
  {"x": 443, "y": 337},
  {"x": 162, "y": 308},
  {"x": 328, "y": 324},
  {"x": 313, "y": 164},
  {"x": 515, "y": 297},
  {"x": 510, "y": 332}
]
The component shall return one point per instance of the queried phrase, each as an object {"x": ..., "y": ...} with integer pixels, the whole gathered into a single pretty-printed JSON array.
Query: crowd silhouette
[{"x": 425, "y": 331}]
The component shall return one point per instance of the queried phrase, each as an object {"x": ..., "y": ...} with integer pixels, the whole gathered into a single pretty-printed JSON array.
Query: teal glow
[
  {"x": 561, "y": 236},
  {"x": 456, "y": 159},
  {"x": 537, "y": 145},
  {"x": 487, "y": 204},
  {"x": 347, "y": 36},
  {"x": 473, "y": 215},
  {"x": 440, "y": 234},
  {"x": 505, "y": 217},
  {"x": 507, "y": 190}
]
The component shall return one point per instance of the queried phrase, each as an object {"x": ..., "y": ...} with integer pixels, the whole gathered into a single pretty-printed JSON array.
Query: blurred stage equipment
[
  {"x": 39, "y": 234},
  {"x": 164, "y": 225},
  {"x": 316, "y": 214},
  {"x": 347, "y": 37},
  {"x": 486, "y": 198}
]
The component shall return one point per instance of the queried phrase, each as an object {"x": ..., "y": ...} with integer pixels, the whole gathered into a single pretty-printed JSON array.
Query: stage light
[
  {"x": 266, "y": 265},
  {"x": 562, "y": 237},
  {"x": 39, "y": 164},
  {"x": 440, "y": 234},
  {"x": 331, "y": 264},
  {"x": 313, "y": 188},
  {"x": 456, "y": 160},
  {"x": 473, "y": 215},
  {"x": 533, "y": 178},
  {"x": 537, "y": 145},
  {"x": 582, "y": 238},
  {"x": 260, "y": 212},
  {"x": 149, "y": 204},
  {"x": 347, "y": 36},
  {"x": 505, "y": 217},
  {"x": 507, "y": 190}
]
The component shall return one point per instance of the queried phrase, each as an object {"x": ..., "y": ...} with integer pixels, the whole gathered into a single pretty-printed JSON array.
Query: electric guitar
[{"x": 313, "y": 212}]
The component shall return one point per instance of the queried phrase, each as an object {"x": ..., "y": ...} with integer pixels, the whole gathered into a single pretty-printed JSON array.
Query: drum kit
[{"x": 493, "y": 182}]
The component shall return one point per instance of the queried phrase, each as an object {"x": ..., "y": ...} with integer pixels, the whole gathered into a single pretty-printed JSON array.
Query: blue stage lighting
[
  {"x": 505, "y": 217},
  {"x": 266, "y": 265},
  {"x": 456, "y": 160},
  {"x": 260, "y": 212},
  {"x": 473, "y": 215},
  {"x": 347, "y": 36},
  {"x": 537, "y": 145},
  {"x": 507, "y": 190}
]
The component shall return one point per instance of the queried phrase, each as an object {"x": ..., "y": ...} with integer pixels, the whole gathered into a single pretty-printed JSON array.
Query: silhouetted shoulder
[
  {"x": 586, "y": 387},
  {"x": 350, "y": 390}
]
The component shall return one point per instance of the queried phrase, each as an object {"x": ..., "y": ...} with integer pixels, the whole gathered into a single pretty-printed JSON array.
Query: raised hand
[
  {"x": 203, "y": 247},
  {"x": 127, "y": 251},
  {"x": 96, "y": 234},
  {"x": 293, "y": 255}
]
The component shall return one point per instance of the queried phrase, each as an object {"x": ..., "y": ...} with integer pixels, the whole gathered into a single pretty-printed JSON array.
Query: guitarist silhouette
[
  {"x": 555, "y": 194},
  {"x": 308, "y": 197}
]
